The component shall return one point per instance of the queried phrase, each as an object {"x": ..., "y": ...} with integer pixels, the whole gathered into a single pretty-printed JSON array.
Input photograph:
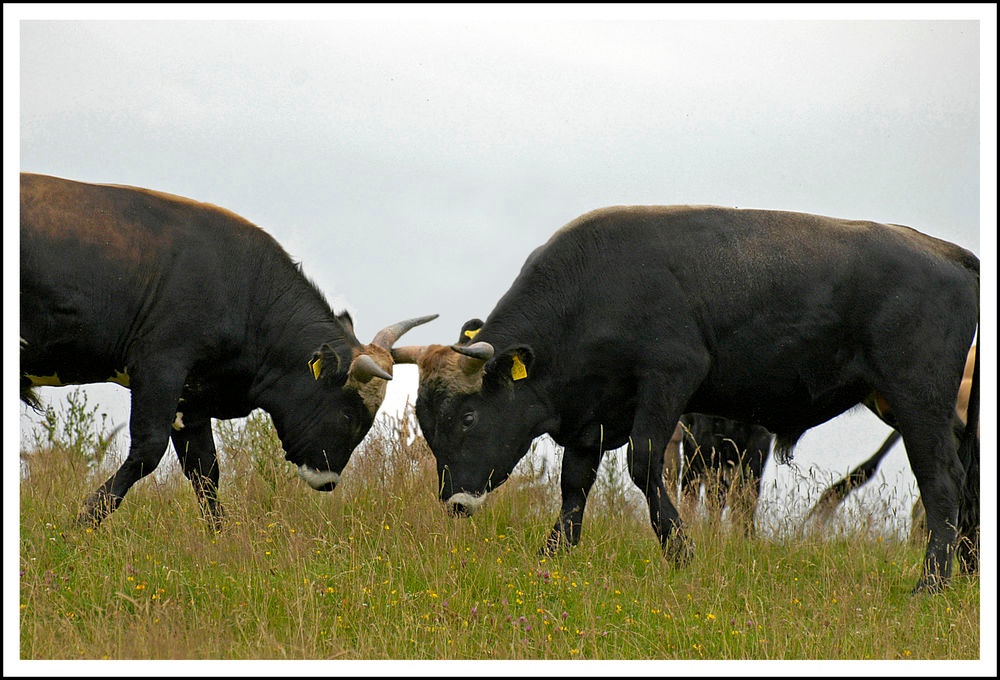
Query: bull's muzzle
[
  {"x": 320, "y": 480},
  {"x": 464, "y": 504}
]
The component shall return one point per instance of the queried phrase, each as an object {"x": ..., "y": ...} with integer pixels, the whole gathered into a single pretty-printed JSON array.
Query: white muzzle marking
[
  {"x": 317, "y": 479},
  {"x": 468, "y": 501}
]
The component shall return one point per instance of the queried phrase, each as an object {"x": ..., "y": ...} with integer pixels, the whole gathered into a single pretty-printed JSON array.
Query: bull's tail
[
  {"x": 29, "y": 396},
  {"x": 784, "y": 445},
  {"x": 968, "y": 509},
  {"x": 831, "y": 499}
]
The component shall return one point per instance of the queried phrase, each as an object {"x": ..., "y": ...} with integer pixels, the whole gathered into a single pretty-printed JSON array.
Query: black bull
[
  {"x": 630, "y": 316},
  {"x": 201, "y": 315}
]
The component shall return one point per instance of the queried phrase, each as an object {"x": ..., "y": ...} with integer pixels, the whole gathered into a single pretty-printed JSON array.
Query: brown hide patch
[
  {"x": 458, "y": 373},
  {"x": 372, "y": 393},
  {"x": 128, "y": 224},
  {"x": 54, "y": 380}
]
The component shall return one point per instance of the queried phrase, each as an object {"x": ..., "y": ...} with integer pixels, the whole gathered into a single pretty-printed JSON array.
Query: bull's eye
[{"x": 468, "y": 420}]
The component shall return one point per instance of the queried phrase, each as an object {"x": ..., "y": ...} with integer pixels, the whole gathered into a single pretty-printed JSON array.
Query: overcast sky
[{"x": 412, "y": 157}]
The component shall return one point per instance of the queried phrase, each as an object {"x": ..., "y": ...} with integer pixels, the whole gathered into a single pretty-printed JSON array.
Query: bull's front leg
[
  {"x": 579, "y": 470},
  {"x": 645, "y": 466}
]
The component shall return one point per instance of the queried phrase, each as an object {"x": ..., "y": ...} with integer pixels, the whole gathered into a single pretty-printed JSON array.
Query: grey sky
[
  {"x": 412, "y": 157},
  {"x": 411, "y": 166}
]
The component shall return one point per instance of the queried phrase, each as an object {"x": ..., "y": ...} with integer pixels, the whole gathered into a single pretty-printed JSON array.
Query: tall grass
[{"x": 377, "y": 570}]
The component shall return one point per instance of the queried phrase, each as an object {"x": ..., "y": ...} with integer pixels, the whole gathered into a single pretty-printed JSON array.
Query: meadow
[{"x": 377, "y": 570}]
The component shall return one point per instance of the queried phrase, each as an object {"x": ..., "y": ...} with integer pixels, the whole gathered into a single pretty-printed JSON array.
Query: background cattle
[
  {"x": 725, "y": 457},
  {"x": 202, "y": 315},
  {"x": 629, "y": 317}
]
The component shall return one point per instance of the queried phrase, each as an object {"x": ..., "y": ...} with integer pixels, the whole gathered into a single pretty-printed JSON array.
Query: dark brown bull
[{"x": 201, "y": 315}]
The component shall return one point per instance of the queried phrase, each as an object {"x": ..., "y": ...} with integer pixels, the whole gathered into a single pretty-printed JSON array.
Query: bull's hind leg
[
  {"x": 195, "y": 447},
  {"x": 940, "y": 476},
  {"x": 154, "y": 399},
  {"x": 969, "y": 454},
  {"x": 743, "y": 496},
  {"x": 919, "y": 379},
  {"x": 968, "y": 519}
]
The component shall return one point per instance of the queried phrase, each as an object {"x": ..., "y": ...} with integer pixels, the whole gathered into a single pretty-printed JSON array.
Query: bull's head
[
  {"x": 334, "y": 397},
  {"x": 477, "y": 411}
]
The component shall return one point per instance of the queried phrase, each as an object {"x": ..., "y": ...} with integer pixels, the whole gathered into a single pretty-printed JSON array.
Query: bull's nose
[
  {"x": 464, "y": 504},
  {"x": 320, "y": 480}
]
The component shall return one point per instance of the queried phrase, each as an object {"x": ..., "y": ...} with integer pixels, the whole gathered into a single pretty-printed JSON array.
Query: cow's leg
[
  {"x": 153, "y": 408},
  {"x": 694, "y": 472},
  {"x": 744, "y": 494},
  {"x": 717, "y": 486},
  {"x": 195, "y": 447},
  {"x": 672, "y": 463},
  {"x": 687, "y": 506},
  {"x": 579, "y": 470},
  {"x": 691, "y": 480},
  {"x": 940, "y": 477},
  {"x": 923, "y": 405},
  {"x": 968, "y": 518},
  {"x": 969, "y": 454},
  {"x": 749, "y": 474}
]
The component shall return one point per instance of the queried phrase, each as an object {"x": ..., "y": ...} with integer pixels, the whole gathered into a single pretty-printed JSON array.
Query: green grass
[{"x": 377, "y": 570}]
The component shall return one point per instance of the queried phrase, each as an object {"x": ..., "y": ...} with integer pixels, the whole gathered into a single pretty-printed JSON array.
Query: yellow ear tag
[
  {"x": 316, "y": 365},
  {"x": 518, "y": 371},
  {"x": 472, "y": 333}
]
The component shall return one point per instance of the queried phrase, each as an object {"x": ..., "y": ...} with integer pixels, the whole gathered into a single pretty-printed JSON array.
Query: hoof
[
  {"x": 554, "y": 544},
  {"x": 679, "y": 550},
  {"x": 929, "y": 585}
]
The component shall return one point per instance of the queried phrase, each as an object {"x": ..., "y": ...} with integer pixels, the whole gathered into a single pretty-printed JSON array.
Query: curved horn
[
  {"x": 364, "y": 368},
  {"x": 387, "y": 337},
  {"x": 407, "y": 355},
  {"x": 478, "y": 350}
]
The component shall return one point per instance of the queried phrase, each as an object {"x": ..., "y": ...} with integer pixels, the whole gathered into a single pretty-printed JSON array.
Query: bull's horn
[
  {"x": 364, "y": 368},
  {"x": 388, "y": 336},
  {"x": 478, "y": 350},
  {"x": 407, "y": 355}
]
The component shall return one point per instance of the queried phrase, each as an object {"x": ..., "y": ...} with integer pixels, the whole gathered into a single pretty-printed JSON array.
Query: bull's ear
[
  {"x": 469, "y": 331},
  {"x": 345, "y": 318},
  {"x": 325, "y": 362},
  {"x": 512, "y": 365}
]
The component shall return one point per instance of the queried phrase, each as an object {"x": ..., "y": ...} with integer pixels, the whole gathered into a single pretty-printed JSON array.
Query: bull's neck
[
  {"x": 539, "y": 326},
  {"x": 292, "y": 322}
]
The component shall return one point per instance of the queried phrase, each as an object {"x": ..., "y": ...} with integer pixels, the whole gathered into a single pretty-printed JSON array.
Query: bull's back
[
  {"x": 101, "y": 266},
  {"x": 788, "y": 307},
  {"x": 727, "y": 268}
]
